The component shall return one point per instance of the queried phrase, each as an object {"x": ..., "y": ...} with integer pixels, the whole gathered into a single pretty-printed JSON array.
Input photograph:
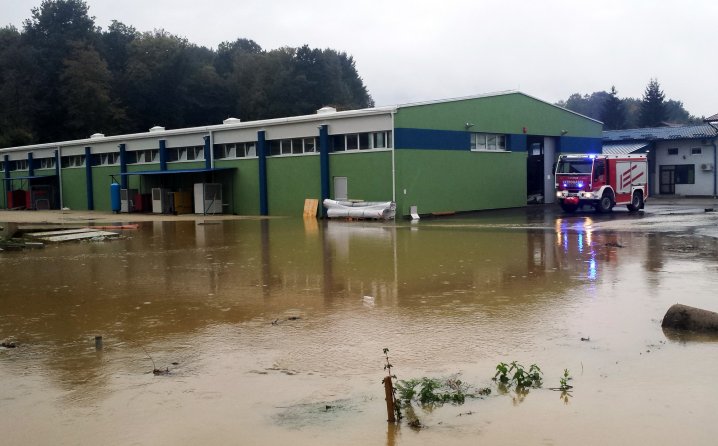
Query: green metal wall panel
[
  {"x": 441, "y": 181},
  {"x": 101, "y": 186},
  {"x": 291, "y": 180},
  {"x": 74, "y": 192},
  {"x": 508, "y": 113},
  {"x": 245, "y": 196},
  {"x": 368, "y": 174}
]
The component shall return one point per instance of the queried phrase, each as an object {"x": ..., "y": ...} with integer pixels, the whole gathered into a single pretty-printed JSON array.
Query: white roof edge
[
  {"x": 207, "y": 129},
  {"x": 493, "y": 94},
  {"x": 277, "y": 121}
]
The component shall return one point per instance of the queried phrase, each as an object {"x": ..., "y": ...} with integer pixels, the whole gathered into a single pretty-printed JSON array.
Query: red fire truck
[{"x": 601, "y": 181}]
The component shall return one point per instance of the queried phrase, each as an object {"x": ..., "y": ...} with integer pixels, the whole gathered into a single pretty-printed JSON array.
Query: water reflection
[
  {"x": 445, "y": 291},
  {"x": 172, "y": 278}
]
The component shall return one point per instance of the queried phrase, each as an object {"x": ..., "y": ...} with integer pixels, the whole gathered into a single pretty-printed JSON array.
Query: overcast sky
[{"x": 408, "y": 51}]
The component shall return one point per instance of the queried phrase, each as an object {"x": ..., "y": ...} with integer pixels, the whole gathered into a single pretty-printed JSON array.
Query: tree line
[
  {"x": 652, "y": 110},
  {"x": 62, "y": 77}
]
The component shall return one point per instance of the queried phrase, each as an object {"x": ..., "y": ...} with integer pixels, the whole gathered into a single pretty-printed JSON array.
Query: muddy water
[{"x": 273, "y": 330}]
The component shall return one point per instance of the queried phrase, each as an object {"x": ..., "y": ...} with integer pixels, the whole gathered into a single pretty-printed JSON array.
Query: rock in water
[{"x": 683, "y": 317}]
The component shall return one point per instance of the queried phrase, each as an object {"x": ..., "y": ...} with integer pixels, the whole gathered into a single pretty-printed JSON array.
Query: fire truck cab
[{"x": 601, "y": 181}]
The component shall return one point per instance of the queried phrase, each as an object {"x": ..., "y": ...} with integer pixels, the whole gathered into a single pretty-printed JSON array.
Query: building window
[
  {"x": 18, "y": 165},
  {"x": 696, "y": 151},
  {"x": 295, "y": 146},
  {"x": 673, "y": 151},
  {"x": 683, "y": 174},
  {"x": 223, "y": 151},
  {"x": 488, "y": 141},
  {"x": 195, "y": 153},
  {"x": 361, "y": 141},
  {"x": 46, "y": 163},
  {"x": 105, "y": 159},
  {"x": 147, "y": 156},
  {"x": 192, "y": 153},
  {"x": 73, "y": 161}
]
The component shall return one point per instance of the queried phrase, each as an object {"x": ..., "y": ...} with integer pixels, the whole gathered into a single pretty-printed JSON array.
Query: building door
[
  {"x": 535, "y": 170},
  {"x": 668, "y": 180},
  {"x": 340, "y": 188}
]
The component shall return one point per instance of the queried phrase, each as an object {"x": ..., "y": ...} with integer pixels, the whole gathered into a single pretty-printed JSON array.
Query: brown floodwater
[{"x": 273, "y": 330}]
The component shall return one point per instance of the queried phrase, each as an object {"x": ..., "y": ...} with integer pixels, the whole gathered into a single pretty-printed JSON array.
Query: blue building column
[
  {"x": 30, "y": 165},
  {"x": 324, "y": 165},
  {"x": 88, "y": 179},
  {"x": 163, "y": 154},
  {"x": 262, "y": 155},
  {"x": 6, "y": 165},
  {"x": 207, "y": 153},
  {"x": 123, "y": 166}
]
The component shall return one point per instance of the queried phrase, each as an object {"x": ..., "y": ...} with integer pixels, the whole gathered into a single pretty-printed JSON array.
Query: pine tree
[
  {"x": 614, "y": 113},
  {"x": 653, "y": 107}
]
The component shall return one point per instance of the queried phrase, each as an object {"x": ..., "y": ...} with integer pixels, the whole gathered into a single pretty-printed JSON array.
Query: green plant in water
[
  {"x": 515, "y": 373},
  {"x": 564, "y": 381},
  {"x": 431, "y": 392}
]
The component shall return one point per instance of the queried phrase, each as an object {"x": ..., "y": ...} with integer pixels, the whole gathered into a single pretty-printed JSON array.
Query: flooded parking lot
[{"x": 272, "y": 330}]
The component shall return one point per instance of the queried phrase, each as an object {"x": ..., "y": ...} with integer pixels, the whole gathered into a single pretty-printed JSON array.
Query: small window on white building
[
  {"x": 696, "y": 151},
  {"x": 673, "y": 151}
]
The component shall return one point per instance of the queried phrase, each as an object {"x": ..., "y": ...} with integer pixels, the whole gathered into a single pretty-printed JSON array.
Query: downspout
[
  {"x": 211, "y": 149},
  {"x": 58, "y": 172},
  {"x": 715, "y": 160},
  {"x": 324, "y": 167},
  {"x": 393, "y": 158},
  {"x": 262, "y": 162}
]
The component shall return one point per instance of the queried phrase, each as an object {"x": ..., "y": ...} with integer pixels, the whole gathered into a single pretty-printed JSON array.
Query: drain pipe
[{"x": 715, "y": 160}]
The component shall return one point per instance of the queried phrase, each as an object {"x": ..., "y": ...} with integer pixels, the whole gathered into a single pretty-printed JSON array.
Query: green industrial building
[{"x": 481, "y": 152}]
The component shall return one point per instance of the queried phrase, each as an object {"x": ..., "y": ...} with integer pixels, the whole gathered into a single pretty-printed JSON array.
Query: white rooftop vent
[
  {"x": 97, "y": 135},
  {"x": 326, "y": 110},
  {"x": 157, "y": 128},
  {"x": 231, "y": 121}
]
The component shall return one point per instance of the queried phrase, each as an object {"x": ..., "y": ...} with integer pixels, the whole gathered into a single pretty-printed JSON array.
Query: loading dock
[{"x": 172, "y": 191}]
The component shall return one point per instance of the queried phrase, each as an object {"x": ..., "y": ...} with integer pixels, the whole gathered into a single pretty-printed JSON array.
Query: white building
[{"x": 682, "y": 160}]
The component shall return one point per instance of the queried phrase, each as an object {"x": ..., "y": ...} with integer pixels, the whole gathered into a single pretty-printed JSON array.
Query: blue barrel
[{"x": 115, "y": 197}]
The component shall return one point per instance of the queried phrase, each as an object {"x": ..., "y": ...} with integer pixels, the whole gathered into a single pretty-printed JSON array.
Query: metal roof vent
[
  {"x": 232, "y": 121},
  {"x": 157, "y": 128},
  {"x": 326, "y": 110},
  {"x": 97, "y": 135}
]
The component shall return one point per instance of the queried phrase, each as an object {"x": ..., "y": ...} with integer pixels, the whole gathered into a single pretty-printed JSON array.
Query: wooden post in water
[
  {"x": 98, "y": 342},
  {"x": 389, "y": 392}
]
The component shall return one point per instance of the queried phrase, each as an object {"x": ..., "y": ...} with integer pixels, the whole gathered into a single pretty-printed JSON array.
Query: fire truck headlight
[{"x": 580, "y": 185}]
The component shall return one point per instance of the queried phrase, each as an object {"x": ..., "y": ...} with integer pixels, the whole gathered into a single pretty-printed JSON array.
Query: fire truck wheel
[
  {"x": 636, "y": 202},
  {"x": 605, "y": 204}
]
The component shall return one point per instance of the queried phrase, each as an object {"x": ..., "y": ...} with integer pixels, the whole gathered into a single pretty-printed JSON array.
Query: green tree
[
  {"x": 53, "y": 30},
  {"x": 587, "y": 105},
  {"x": 85, "y": 93},
  {"x": 18, "y": 68},
  {"x": 613, "y": 114},
  {"x": 676, "y": 113},
  {"x": 653, "y": 108}
]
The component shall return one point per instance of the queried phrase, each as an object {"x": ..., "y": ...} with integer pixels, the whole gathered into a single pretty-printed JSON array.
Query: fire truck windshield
[{"x": 574, "y": 166}]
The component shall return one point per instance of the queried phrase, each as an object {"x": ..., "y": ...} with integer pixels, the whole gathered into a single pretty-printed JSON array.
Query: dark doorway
[
  {"x": 668, "y": 180},
  {"x": 535, "y": 170}
]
